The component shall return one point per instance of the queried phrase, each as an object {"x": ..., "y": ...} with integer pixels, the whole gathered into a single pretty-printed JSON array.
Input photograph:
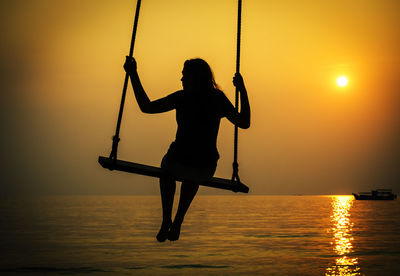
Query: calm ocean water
[{"x": 222, "y": 235}]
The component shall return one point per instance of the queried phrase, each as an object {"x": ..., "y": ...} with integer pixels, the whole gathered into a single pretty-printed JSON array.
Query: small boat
[{"x": 378, "y": 194}]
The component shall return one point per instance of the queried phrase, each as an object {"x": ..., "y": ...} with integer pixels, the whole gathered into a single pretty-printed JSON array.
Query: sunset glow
[
  {"x": 112, "y": 172},
  {"x": 321, "y": 76}
]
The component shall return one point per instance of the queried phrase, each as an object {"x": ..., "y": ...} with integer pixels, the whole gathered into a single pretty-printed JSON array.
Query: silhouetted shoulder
[
  {"x": 221, "y": 95},
  {"x": 225, "y": 106},
  {"x": 175, "y": 98},
  {"x": 176, "y": 94}
]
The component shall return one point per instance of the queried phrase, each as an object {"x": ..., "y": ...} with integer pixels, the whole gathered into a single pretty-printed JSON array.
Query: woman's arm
[
  {"x": 241, "y": 119},
  {"x": 145, "y": 104}
]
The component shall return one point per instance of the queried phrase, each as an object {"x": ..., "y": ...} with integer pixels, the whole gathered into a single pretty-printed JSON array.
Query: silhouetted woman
[{"x": 193, "y": 155}]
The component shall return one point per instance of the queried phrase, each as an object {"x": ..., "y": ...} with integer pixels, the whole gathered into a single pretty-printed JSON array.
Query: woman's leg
[
  {"x": 167, "y": 188},
  {"x": 188, "y": 191}
]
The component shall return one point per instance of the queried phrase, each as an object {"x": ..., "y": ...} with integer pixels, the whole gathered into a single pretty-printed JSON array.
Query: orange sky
[{"x": 62, "y": 79}]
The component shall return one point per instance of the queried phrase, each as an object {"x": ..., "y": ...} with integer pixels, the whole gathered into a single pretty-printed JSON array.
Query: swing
[{"x": 112, "y": 163}]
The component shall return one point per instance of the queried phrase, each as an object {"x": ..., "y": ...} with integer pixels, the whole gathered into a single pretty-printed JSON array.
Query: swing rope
[
  {"x": 113, "y": 154},
  {"x": 235, "y": 165}
]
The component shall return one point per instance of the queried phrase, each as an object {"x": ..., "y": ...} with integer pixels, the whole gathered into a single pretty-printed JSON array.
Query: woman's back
[{"x": 198, "y": 117}]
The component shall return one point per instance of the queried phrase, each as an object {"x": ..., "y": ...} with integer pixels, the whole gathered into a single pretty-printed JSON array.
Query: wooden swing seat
[{"x": 130, "y": 167}]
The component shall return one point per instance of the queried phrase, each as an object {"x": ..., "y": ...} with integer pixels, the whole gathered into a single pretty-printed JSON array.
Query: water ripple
[
  {"x": 194, "y": 266},
  {"x": 63, "y": 270}
]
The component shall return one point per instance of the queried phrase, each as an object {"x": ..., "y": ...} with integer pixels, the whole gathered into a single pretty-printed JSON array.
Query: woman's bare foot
[
  {"x": 163, "y": 233},
  {"x": 174, "y": 231}
]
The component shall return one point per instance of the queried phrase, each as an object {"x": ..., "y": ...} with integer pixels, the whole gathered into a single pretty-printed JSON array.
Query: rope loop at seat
[{"x": 113, "y": 154}]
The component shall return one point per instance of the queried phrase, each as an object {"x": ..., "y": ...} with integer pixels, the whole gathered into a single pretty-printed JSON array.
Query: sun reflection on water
[{"x": 342, "y": 238}]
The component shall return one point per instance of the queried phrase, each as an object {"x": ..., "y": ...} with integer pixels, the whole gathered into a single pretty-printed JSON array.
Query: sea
[{"x": 221, "y": 235}]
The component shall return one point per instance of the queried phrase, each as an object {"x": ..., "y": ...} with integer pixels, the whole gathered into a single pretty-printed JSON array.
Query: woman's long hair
[{"x": 201, "y": 73}]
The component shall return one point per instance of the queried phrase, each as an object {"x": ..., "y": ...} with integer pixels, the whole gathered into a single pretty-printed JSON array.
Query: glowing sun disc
[{"x": 342, "y": 81}]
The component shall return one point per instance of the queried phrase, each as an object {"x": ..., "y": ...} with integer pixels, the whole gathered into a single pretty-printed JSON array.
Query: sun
[{"x": 342, "y": 81}]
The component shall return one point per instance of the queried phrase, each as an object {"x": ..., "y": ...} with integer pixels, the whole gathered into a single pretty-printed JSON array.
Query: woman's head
[{"x": 197, "y": 75}]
